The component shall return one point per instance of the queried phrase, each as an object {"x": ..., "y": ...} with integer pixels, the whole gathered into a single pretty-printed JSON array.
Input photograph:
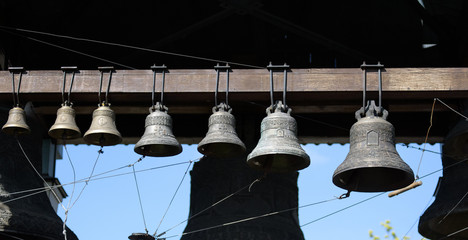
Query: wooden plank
[{"x": 249, "y": 81}]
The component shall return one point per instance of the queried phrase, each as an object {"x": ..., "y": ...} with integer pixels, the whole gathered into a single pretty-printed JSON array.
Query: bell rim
[
  {"x": 174, "y": 150},
  {"x": 251, "y": 161},
  {"x": 237, "y": 150},
  {"x": 115, "y": 139},
  {"x": 408, "y": 178}
]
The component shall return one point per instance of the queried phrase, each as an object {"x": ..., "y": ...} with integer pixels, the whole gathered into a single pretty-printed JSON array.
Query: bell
[
  {"x": 65, "y": 126},
  {"x": 456, "y": 141},
  {"x": 158, "y": 140},
  {"x": 16, "y": 123},
  {"x": 372, "y": 164},
  {"x": 278, "y": 149},
  {"x": 103, "y": 131},
  {"x": 140, "y": 236},
  {"x": 221, "y": 139},
  {"x": 448, "y": 213}
]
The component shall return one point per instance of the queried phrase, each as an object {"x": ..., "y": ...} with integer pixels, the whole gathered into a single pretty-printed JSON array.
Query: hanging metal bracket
[
  {"x": 110, "y": 70},
  {"x": 13, "y": 71},
  {"x": 374, "y": 68},
  {"x": 72, "y": 70},
  {"x": 225, "y": 106},
  {"x": 159, "y": 105},
  {"x": 285, "y": 68}
]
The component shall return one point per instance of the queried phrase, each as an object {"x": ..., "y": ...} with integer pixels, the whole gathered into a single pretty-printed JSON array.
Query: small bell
[
  {"x": 278, "y": 149},
  {"x": 16, "y": 123},
  {"x": 103, "y": 131},
  {"x": 158, "y": 140},
  {"x": 221, "y": 139},
  {"x": 372, "y": 164},
  {"x": 140, "y": 236},
  {"x": 65, "y": 126}
]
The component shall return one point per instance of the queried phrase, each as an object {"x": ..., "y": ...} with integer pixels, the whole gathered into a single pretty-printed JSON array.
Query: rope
[
  {"x": 139, "y": 198},
  {"x": 37, "y": 172},
  {"x": 173, "y": 196}
]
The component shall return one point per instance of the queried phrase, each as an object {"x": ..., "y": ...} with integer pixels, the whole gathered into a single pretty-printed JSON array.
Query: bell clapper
[
  {"x": 415, "y": 184},
  {"x": 345, "y": 195}
]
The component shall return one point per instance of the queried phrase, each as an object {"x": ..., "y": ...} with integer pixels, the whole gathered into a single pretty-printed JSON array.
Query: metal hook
[
  {"x": 285, "y": 69},
  {"x": 14, "y": 70},
  {"x": 379, "y": 68},
  {"x": 102, "y": 70},
  {"x": 66, "y": 70},
  {"x": 228, "y": 69},
  {"x": 163, "y": 70}
]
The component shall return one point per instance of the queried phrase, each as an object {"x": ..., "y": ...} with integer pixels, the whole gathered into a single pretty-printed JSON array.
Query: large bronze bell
[
  {"x": 278, "y": 149},
  {"x": 221, "y": 140},
  {"x": 372, "y": 164},
  {"x": 65, "y": 126},
  {"x": 140, "y": 236},
  {"x": 16, "y": 123},
  {"x": 103, "y": 131},
  {"x": 158, "y": 140},
  {"x": 449, "y": 211},
  {"x": 456, "y": 142}
]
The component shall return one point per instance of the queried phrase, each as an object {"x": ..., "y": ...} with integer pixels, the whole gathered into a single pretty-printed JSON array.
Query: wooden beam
[
  {"x": 323, "y": 100},
  {"x": 451, "y": 81}
]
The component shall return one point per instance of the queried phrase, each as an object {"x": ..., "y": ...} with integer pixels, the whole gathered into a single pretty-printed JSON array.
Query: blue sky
[{"x": 109, "y": 207}]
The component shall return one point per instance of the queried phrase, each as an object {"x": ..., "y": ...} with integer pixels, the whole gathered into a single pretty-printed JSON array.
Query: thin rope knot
[
  {"x": 256, "y": 180},
  {"x": 345, "y": 195},
  {"x": 100, "y": 151}
]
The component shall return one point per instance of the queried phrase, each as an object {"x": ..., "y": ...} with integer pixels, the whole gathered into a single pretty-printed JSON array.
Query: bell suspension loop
[
  {"x": 13, "y": 71},
  {"x": 158, "y": 105},
  {"x": 223, "y": 105},
  {"x": 110, "y": 70},
  {"x": 279, "y": 105},
  {"x": 379, "y": 111},
  {"x": 66, "y": 70}
]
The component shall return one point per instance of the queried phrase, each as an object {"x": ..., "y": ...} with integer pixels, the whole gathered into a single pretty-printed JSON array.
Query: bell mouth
[
  {"x": 280, "y": 163},
  {"x": 221, "y": 149},
  {"x": 158, "y": 150},
  {"x": 373, "y": 179},
  {"x": 102, "y": 139}
]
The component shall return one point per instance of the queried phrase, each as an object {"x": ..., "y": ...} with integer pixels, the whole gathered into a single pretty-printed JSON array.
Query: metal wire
[{"x": 139, "y": 198}]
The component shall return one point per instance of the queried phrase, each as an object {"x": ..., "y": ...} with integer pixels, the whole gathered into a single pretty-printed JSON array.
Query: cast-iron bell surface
[
  {"x": 456, "y": 141},
  {"x": 158, "y": 139},
  {"x": 140, "y": 236},
  {"x": 221, "y": 140},
  {"x": 65, "y": 126},
  {"x": 103, "y": 131},
  {"x": 16, "y": 123},
  {"x": 278, "y": 149},
  {"x": 449, "y": 211},
  {"x": 372, "y": 164}
]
